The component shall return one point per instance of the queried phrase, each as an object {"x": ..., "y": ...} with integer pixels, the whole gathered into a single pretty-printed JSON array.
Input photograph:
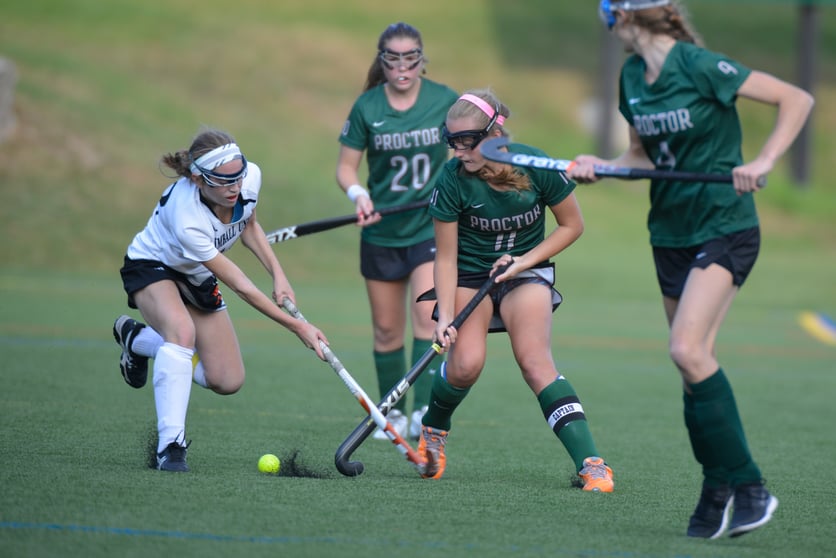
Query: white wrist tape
[{"x": 355, "y": 191}]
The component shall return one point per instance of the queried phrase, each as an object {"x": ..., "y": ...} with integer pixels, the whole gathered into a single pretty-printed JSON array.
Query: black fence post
[{"x": 806, "y": 51}]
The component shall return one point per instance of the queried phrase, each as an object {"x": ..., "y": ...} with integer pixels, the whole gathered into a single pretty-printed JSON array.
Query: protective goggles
[
  {"x": 409, "y": 59},
  {"x": 206, "y": 164},
  {"x": 221, "y": 180},
  {"x": 606, "y": 9},
  {"x": 467, "y": 139}
]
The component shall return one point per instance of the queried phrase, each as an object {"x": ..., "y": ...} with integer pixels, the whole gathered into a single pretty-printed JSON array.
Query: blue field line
[{"x": 289, "y": 539}]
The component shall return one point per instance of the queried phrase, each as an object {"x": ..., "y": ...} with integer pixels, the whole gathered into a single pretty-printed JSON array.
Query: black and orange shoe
[{"x": 431, "y": 447}]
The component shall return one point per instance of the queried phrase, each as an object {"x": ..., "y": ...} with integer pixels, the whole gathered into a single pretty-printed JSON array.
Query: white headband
[
  {"x": 638, "y": 4},
  {"x": 215, "y": 158}
]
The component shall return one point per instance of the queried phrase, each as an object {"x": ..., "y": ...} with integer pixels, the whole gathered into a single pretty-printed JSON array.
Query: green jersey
[
  {"x": 687, "y": 121},
  {"x": 405, "y": 152},
  {"x": 492, "y": 223}
]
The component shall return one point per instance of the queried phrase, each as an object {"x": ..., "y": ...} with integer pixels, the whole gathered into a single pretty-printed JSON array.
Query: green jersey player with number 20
[{"x": 396, "y": 121}]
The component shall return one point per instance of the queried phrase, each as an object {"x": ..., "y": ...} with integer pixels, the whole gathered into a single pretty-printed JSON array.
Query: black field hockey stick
[
  {"x": 302, "y": 229},
  {"x": 362, "y": 431},
  {"x": 365, "y": 401},
  {"x": 492, "y": 150}
]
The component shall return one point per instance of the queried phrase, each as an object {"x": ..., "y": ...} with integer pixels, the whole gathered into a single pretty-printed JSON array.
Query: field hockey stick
[
  {"x": 302, "y": 229},
  {"x": 491, "y": 149},
  {"x": 362, "y": 431},
  {"x": 365, "y": 401}
]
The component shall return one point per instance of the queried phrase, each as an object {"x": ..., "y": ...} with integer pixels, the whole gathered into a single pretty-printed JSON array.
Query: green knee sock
[
  {"x": 443, "y": 401},
  {"x": 423, "y": 385},
  {"x": 720, "y": 426},
  {"x": 714, "y": 475},
  {"x": 564, "y": 413},
  {"x": 390, "y": 367}
]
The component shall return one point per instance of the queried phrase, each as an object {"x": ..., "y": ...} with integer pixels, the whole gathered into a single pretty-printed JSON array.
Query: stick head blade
[
  {"x": 490, "y": 148},
  {"x": 351, "y": 468}
]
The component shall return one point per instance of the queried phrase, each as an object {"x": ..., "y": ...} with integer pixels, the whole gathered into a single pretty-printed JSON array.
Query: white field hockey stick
[
  {"x": 403, "y": 446},
  {"x": 492, "y": 149},
  {"x": 302, "y": 229},
  {"x": 362, "y": 431}
]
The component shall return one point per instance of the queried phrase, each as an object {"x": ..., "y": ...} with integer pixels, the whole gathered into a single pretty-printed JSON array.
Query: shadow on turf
[{"x": 292, "y": 466}]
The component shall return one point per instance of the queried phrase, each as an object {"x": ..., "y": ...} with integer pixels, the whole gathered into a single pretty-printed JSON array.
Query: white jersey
[{"x": 183, "y": 232}]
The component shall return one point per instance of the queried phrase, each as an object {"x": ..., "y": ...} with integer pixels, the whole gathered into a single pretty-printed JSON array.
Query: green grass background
[{"x": 106, "y": 87}]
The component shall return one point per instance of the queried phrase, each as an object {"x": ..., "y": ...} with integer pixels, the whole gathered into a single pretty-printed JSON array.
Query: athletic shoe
[
  {"x": 753, "y": 507},
  {"x": 415, "y": 422},
  {"x": 134, "y": 367},
  {"x": 399, "y": 422},
  {"x": 173, "y": 458},
  {"x": 711, "y": 516},
  {"x": 431, "y": 447},
  {"x": 596, "y": 476}
]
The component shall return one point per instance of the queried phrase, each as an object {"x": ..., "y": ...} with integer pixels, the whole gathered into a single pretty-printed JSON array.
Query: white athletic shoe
[
  {"x": 399, "y": 422},
  {"x": 415, "y": 422}
]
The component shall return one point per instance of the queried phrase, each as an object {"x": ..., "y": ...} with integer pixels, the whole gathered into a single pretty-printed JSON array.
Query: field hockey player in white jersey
[
  {"x": 171, "y": 274},
  {"x": 680, "y": 102}
]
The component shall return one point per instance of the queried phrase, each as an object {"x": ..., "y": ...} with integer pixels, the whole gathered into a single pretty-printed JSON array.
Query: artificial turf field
[
  {"x": 75, "y": 437},
  {"x": 106, "y": 87}
]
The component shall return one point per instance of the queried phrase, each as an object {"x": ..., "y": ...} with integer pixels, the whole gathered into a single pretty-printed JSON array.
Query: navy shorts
[
  {"x": 382, "y": 263},
  {"x": 735, "y": 252},
  {"x": 138, "y": 274}
]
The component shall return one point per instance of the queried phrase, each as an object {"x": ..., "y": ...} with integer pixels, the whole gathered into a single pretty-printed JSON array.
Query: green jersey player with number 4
[
  {"x": 487, "y": 215},
  {"x": 396, "y": 121},
  {"x": 679, "y": 100}
]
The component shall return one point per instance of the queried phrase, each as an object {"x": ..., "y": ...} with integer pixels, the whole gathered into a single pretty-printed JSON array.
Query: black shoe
[
  {"x": 173, "y": 458},
  {"x": 134, "y": 367},
  {"x": 711, "y": 516},
  {"x": 753, "y": 507}
]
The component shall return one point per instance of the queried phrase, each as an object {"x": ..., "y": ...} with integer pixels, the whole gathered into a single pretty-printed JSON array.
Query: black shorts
[
  {"x": 382, "y": 263},
  {"x": 138, "y": 274},
  {"x": 735, "y": 252},
  {"x": 542, "y": 274}
]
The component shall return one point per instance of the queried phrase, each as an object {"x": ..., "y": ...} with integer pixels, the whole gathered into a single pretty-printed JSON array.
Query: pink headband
[{"x": 483, "y": 106}]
